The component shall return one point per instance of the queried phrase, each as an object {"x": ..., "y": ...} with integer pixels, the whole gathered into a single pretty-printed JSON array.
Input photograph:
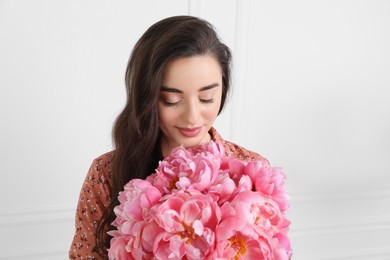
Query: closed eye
[
  {"x": 169, "y": 104},
  {"x": 207, "y": 101}
]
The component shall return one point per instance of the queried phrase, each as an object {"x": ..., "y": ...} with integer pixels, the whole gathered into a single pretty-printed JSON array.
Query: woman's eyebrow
[
  {"x": 214, "y": 85},
  {"x": 168, "y": 89},
  {"x": 175, "y": 90}
]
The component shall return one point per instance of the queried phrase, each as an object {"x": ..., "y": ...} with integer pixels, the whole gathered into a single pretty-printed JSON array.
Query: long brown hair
[{"x": 136, "y": 131}]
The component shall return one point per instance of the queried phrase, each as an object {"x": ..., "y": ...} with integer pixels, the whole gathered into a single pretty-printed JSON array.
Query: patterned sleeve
[{"x": 94, "y": 198}]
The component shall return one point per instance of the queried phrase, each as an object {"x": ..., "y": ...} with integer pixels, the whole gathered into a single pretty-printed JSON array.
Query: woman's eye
[
  {"x": 207, "y": 101},
  {"x": 169, "y": 103}
]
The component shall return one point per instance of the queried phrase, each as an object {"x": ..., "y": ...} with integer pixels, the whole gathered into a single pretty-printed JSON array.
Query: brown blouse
[{"x": 95, "y": 197}]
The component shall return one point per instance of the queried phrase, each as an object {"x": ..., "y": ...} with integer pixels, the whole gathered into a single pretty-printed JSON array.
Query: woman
[{"x": 177, "y": 81}]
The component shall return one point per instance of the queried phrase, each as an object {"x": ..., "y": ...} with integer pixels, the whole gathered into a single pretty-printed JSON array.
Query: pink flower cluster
[{"x": 201, "y": 204}]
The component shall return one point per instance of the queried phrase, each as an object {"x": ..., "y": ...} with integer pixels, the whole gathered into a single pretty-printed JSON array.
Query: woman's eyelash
[
  {"x": 170, "y": 104},
  {"x": 207, "y": 101},
  {"x": 204, "y": 101}
]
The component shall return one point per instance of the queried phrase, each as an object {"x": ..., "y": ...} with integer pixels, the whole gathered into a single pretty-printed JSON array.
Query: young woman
[{"x": 177, "y": 81}]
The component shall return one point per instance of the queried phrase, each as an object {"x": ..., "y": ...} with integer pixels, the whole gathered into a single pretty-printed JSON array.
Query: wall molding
[
  {"x": 242, "y": 39},
  {"x": 37, "y": 215},
  {"x": 362, "y": 223},
  {"x": 46, "y": 221},
  {"x": 356, "y": 254},
  {"x": 305, "y": 197},
  {"x": 373, "y": 225},
  {"x": 34, "y": 253},
  {"x": 350, "y": 224}
]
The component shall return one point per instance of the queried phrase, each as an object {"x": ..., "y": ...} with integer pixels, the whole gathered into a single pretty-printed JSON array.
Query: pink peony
[
  {"x": 214, "y": 148},
  {"x": 135, "y": 200},
  {"x": 188, "y": 222},
  {"x": 222, "y": 188},
  {"x": 183, "y": 170},
  {"x": 118, "y": 249},
  {"x": 282, "y": 247},
  {"x": 261, "y": 213},
  {"x": 269, "y": 181},
  {"x": 236, "y": 168},
  {"x": 236, "y": 239},
  {"x": 132, "y": 216}
]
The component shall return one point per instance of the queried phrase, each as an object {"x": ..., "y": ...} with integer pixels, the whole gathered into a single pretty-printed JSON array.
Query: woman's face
[{"x": 189, "y": 101}]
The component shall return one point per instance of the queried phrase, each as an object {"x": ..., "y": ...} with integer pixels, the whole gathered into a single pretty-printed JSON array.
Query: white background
[{"x": 311, "y": 93}]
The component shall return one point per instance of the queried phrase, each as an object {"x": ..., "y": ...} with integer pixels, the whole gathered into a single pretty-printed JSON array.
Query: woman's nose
[{"x": 191, "y": 113}]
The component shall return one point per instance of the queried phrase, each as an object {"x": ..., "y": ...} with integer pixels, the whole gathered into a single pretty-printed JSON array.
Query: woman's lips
[{"x": 189, "y": 132}]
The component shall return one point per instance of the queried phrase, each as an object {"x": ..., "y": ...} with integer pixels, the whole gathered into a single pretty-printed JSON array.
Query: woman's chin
[{"x": 191, "y": 142}]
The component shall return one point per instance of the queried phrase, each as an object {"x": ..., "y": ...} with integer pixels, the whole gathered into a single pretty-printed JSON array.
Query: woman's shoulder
[
  {"x": 235, "y": 150},
  {"x": 104, "y": 161},
  {"x": 100, "y": 171}
]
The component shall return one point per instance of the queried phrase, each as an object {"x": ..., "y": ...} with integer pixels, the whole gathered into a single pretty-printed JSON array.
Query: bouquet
[{"x": 201, "y": 204}]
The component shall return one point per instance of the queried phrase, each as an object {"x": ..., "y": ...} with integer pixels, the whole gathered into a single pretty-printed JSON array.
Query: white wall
[{"x": 311, "y": 93}]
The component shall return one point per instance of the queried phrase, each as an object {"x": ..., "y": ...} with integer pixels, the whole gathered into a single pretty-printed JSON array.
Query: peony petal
[{"x": 198, "y": 227}]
